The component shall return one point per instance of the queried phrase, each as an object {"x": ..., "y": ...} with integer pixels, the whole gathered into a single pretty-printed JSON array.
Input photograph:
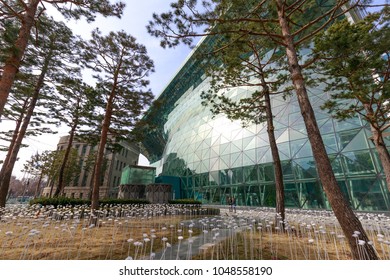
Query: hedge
[{"x": 56, "y": 201}]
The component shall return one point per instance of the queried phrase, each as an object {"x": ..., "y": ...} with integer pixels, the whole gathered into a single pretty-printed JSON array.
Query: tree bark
[
  {"x": 11, "y": 160},
  {"x": 342, "y": 210},
  {"x": 61, "y": 175},
  {"x": 12, "y": 63},
  {"x": 383, "y": 153},
  {"x": 279, "y": 185},
  {"x": 37, "y": 190},
  {"x": 101, "y": 150}
]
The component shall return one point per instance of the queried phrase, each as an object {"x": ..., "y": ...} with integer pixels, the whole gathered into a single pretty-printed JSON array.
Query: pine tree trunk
[
  {"x": 12, "y": 63},
  {"x": 383, "y": 153},
  {"x": 6, "y": 176},
  {"x": 342, "y": 210},
  {"x": 37, "y": 190},
  {"x": 279, "y": 185},
  {"x": 4, "y": 168},
  {"x": 61, "y": 175},
  {"x": 13, "y": 141},
  {"x": 101, "y": 151}
]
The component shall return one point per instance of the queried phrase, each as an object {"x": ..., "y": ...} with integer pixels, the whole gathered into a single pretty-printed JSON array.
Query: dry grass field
[{"x": 31, "y": 233}]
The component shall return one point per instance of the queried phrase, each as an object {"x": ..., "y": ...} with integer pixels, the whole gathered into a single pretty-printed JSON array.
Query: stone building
[{"x": 115, "y": 163}]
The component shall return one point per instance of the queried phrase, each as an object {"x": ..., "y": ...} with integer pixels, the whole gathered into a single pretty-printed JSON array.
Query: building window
[
  {"x": 76, "y": 181},
  {"x": 81, "y": 195},
  {"x": 84, "y": 150},
  {"x": 72, "y": 195},
  {"x": 84, "y": 182}
]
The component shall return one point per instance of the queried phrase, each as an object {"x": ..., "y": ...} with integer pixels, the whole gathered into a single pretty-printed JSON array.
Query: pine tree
[
  {"x": 49, "y": 53},
  {"x": 292, "y": 25},
  {"x": 76, "y": 101},
  {"x": 28, "y": 14},
  {"x": 236, "y": 60},
  {"x": 121, "y": 66},
  {"x": 358, "y": 75}
]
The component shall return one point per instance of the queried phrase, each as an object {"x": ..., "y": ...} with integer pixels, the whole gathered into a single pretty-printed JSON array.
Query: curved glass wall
[{"x": 216, "y": 158}]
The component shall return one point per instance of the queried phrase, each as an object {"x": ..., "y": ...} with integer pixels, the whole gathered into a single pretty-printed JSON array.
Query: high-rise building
[
  {"x": 216, "y": 158},
  {"x": 114, "y": 163}
]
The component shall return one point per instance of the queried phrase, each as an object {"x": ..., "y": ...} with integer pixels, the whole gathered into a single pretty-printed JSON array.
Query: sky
[{"x": 134, "y": 20}]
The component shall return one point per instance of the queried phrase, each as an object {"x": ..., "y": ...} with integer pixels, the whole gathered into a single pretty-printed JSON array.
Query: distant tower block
[
  {"x": 131, "y": 191},
  {"x": 158, "y": 193}
]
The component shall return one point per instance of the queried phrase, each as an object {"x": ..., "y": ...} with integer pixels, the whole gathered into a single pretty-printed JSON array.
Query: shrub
[{"x": 63, "y": 201}]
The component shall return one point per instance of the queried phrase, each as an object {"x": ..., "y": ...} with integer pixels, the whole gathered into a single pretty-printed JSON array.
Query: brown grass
[
  {"x": 64, "y": 240},
  {"x": 248, "y": 246},
  {"x": 115, "y": 238}
]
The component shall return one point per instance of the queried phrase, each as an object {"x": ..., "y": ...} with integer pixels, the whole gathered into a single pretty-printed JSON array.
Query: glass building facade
[{"x": 216, "y": 158}]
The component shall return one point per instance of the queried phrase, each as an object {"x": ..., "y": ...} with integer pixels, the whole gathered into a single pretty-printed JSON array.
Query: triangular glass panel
[
  {"x": 296, "y": 145},
  {"x": 214, "y": 163},
  {"x": 359, "y": 142},
  {"x": 282, "y": 136},
  {"x": 282, "y": 117},
  {"x": 295, "y": 135},
  {"x": 261, "y": 127},
  {"x": 247, "y": 133},
  {"x": 346, "y": 125},
  {"x": 344, "y": 137},
  {"x": 277, "y": 101},
  {"x": 249, "y": 157},
  {"x": 284, "y": 151},
  {"x": 292, "y": 118},
  {"x": 215, "y": 140},
  {"x": 236, "y": 146},
  {"x": 252, "y": 129},
  {"x": 196, "y": 167},
  {"x": 224, "y": 140},
  {"x": 279, "y": 125},
  {"x": 237, "y": 134},
  {"x": 337, "y": 165},
  {"x": 204, "y": 166},
  {"x": 330, "y": 143},
  {"x": 224, "y": 149},
  {"x": 266, "y": 157},
  {"x": 198, "y": 155},
  {"x": 369, "y": 138},
  {"x": 325, "y": 126},
  {"x": 305, "y": 151},
  {"x": 238, "y": 161},
  {"x": 359, "y": 162},
  {"x": 249, "y": 143},
  {"x": 320, "y": 116},
  {"x": 214, "y": 152},
  {"x": 225, "y": 159},
  {"x": 214, "y": 177},
  {"x": 206, "y": 153},
  {"x": 300, "y": 127},
  {"x": 304, "y": 168}
]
